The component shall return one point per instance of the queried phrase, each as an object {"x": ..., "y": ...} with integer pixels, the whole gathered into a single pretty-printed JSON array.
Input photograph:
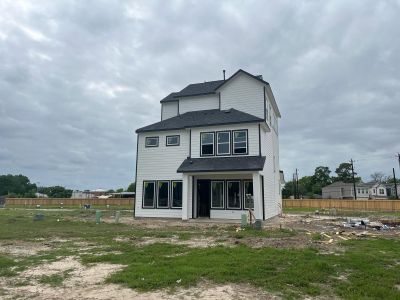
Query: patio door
[{"x": 203, "y": 198}]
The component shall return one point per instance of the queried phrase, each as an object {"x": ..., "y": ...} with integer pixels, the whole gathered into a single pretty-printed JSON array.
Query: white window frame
[
  {"x": 150, "y": 138},
  {"x": 173, "y": 144},
  {"x": 201, "y": 143},
  {"x": 154, "y": 193},
  {"x": 229, "y": 143},
  {"x": 240, "y": 195},
  {"x": 223, "y": 194},
  {"x": 172, "y": 193},
  {"x": 234, "y": 142},
  {"x": 158, "y": 196},
  {"x": 244, "y": 194}
]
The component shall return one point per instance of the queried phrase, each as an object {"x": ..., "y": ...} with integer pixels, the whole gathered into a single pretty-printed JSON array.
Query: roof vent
[
  {"x": 228, "y": 111},
  {"x": 259, "y": 77}
]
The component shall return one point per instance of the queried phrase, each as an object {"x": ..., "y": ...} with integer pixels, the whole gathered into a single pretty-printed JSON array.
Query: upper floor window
[
  {"x": 207, "y": 143},
  {"x": 240, "y": 142},
  {"x": 223, "y": 143},
  {"x": 152, "y": 141},
  {"x": 173, "y": 140}
]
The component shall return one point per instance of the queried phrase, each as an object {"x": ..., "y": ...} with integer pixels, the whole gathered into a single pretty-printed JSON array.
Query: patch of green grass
[
  {"x": 54, "y": 280},
  {"x": 316, "y": 237},
  {"x": 5, "y": 266}
]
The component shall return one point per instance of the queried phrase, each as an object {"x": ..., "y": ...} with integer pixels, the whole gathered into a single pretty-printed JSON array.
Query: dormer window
[
  {"x": 207, "y": 144},
  {"x": 240, "y": 142}
]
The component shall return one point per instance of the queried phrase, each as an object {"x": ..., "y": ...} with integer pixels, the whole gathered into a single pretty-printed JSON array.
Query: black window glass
[
  {"x": 152, "y": 142},
  {"x": 217, "y": 194},
  {"x": 207, "y": 144},
  {"x": 173, "y": 140},
  {"x": 233, "y": 194},
  {"x": 163, "y": 191},
  {"x": 223, "y": 143},
  {"x": 148, "y": 194},
  {"x": 177, "y": 194},
  {"x": 248, "y": 194}
]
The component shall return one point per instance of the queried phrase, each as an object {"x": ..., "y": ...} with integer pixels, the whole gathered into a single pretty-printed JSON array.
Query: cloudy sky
[{"x": 78, "y": 77}]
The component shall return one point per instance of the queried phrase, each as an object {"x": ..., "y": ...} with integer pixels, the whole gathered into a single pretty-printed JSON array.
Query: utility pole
[
  {"x": 297, "y": 184},
  {"x": 398, "y": 156},
  {"x": 354, "y": 181},
  {"x": 395, "y": 185},
  {"x": 294, "y": 187}
]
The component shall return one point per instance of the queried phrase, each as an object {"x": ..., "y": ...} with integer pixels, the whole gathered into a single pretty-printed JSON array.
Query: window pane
[
  {"x": 240, "y": 136},
  {"x": 223, "y": 137},
  {"x": 223, "y": 149},
  {"x": 173, "y": 140},
  {"x": 207, "y": 138},
  {"x": 233, "y": 194},
  {"x": 152, "y": 141},
  {"x": 217, "y": 190},
  {"x": 177, "y": 194},
  {"x": 148, "y": 197},
  {"x": 248, "y": 194},
  {"x": 239, "y": 150},
  {"x": 163, "y": 193},
  {"x": 207, "y": 149}
]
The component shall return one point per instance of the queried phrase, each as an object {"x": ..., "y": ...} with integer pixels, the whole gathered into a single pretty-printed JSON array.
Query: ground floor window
[
  {"x": 176, "y": 194},
  {"x": 149, "y": 193},
  {"x": 163, "y": 194},
  {"x": 233, "y": 195},
  {"x": 248, "y": 194},
  {"x": 217, "y": 194}
]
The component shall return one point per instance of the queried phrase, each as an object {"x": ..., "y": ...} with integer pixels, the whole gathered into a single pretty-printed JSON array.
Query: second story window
[
  {"x": 223, "y": 143},
  {"x": 207, "y": 143},
  {"x": 152, "y": 141},
  {"x": 173, "y": 140},
  {"x": 240, "y": 142}
]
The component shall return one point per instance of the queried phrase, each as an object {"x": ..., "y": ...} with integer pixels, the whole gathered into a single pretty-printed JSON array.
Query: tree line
[
  {"x": 19, "y": 186},
  {"x": 311, "y": 186}
]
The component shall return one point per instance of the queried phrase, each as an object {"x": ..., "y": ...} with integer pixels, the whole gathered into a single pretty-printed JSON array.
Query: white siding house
[{"x": 214, "y": 154}]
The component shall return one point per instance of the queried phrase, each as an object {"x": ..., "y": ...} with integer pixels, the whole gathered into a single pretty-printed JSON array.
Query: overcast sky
[{"x": 78, "y": 77}]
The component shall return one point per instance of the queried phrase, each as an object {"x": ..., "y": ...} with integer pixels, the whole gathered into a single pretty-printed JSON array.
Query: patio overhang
[{"x": 222, "y": 164}]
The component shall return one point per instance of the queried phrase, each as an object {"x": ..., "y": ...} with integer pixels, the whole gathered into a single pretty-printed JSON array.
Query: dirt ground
[{"x": 87, "y": 281}]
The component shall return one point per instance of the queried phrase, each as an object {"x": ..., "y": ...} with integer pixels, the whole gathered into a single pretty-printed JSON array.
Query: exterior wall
[
  {"x": 338, "y": 192},
  {"x": 159, "y": 163},
  {"x": 252, "y": 134},
  {"x": 195, "y": 103},
  {"x": 245, "y": 94},
  {"x": 272, "y": 191},
  {"x": 169, "y": 110}
]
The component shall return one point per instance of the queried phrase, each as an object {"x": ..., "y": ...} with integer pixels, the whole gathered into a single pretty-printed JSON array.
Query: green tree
[
  {"x": 131, "y": 187},
  {"x": 321, "y": 178},
  {"x": 344, "y": 173},
  {"x": 56, "y": 191},
  {"x": 16, "y": 185},
  {"x": 120, "y": 190}
]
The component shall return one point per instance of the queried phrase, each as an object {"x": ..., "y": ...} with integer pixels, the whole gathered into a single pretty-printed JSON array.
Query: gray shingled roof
[
  {"x": 202, "y": 118},
  {"x": 205, "y": 88},
  {"x": 220, "y": 164}
]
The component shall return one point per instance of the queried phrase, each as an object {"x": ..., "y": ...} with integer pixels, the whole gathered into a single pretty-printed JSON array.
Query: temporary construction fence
[
  {"x": 362, "y": 205},
  {"x": 126, "y": 202}
]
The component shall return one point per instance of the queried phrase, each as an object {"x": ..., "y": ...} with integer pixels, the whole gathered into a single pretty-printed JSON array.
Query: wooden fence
[
  {"x": 363, "y": 205},
  {"x": 127, "y": 202}
]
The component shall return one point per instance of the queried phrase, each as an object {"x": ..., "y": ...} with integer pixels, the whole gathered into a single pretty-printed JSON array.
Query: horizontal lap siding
[
  {"x": 227, "y": 214},
  {"x": 252, "y": 137},
  {"x": 272, "y": 198},
  {"x": 245, "y": 94},
  {"x": 169, "y": 110},
  {"x": 187, "y": 104},
  {"x": 159, "y": 163}
]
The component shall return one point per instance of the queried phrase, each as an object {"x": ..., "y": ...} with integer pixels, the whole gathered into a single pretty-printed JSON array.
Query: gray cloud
[{"x": 78, "y": 77}]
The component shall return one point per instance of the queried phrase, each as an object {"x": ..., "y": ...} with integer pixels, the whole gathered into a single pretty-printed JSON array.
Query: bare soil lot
[{"x": 68, "y": 256}]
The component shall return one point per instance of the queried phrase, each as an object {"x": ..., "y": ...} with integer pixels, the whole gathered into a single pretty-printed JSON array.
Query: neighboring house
[
  {"x": 214, "y": 154},
  {"x": 370, "y": 190},
  {"x": 41, "y": 195}
]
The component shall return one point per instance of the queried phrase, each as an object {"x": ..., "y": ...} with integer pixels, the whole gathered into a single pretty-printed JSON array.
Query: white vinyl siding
[
  {"x": 169, "y": 110},
  {"x": 245, "y": 94},
  {"x": 195, "y": 103},
  {"x": 159, "y": 163}
]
